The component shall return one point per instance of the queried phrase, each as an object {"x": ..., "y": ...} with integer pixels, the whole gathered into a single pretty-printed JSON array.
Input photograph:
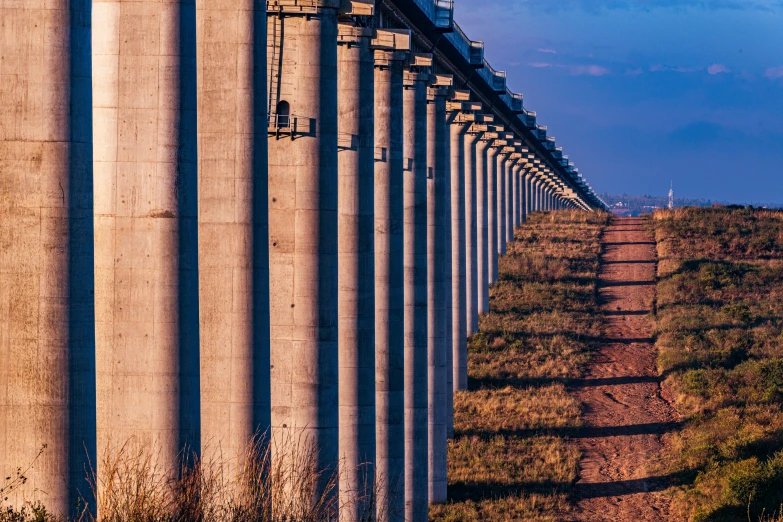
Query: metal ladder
[{"x": 273, "y": 45}]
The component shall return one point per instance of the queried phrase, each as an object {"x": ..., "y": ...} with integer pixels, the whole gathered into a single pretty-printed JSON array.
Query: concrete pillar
[
  {"x": 493, "y": 221},
  {"x": 511, "y": 201},
  {"x": 389, "y": 278},
  {"x": 356, "y": 269},
  {"x": 415, "y": 258},
  {"x": 515, "y": 192},
  {"x": 146, "y": 228},
  {"x": 438, "y": 288},
  {"x": 233, "y": 227},
  {"x": 501, "y": 174},
  {"x": 525, "y": 203},
  {"x": 473, "y": 191},
  {"x": 459, "y": 269},
  {"x": 303, "y": 194},
  {"x": 540, "y": 195},
  {"x": 483, "y": 174},
  {"x": 47, "y": 332}
]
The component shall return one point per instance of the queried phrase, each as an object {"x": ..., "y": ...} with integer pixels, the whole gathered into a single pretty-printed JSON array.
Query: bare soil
[{"x": 626, "y": 411}]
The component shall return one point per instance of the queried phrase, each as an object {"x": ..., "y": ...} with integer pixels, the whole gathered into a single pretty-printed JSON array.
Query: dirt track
[{"x": 626, "y": 413}]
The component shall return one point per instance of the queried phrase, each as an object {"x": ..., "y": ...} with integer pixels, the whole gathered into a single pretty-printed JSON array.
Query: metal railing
[
  {"x": 472, "y": 51},
  {"x": 495, "y": 79}
]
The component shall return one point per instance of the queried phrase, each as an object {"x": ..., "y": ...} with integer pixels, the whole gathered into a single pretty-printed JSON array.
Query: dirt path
[{"x": 626, "y": 413}]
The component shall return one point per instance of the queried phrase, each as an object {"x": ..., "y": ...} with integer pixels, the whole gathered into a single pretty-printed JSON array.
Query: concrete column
[
  {"x": 511, "y": 201},
  {"x": 526, "y": 177},
  {"x": 356, "y": 269},
  {"x": 473, "y": 190},
  {"x": 47, "y": 329},
  {"x": 540, "y": 195},
  {"x": 146, "y": 228},
  {"x": 389, "y": 278},
  {"x": 233, "y": 227},
  {"x": 484, "y": 266},
  {"x": 415, "y": 331},
  {"x": 459, "y": 270},
  {"x": 303, "y": 194},
  {"x": 501, "y": 193},
  {"x": 438, "y": 288},
  {"x": 493, "y": 221},
  {"x": 516, "y": 191}
]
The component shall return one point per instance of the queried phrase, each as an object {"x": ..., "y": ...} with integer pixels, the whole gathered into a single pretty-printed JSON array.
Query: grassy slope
[
  {"x": 720, "y": 338},
  {"x": 510, "y": 459}
]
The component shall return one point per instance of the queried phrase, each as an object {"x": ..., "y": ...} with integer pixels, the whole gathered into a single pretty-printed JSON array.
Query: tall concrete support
[
  {"x": 356, "y": 262},
  {"x": 527, "y": 176},
  {"x": 511, "y": 200},
  {"x": 146, "y": 228},
  {"x": 233, "y": 227},
  {"x": 501, "y": 174},
  {"x": 493, "y": 220},
  {"x": 540, "y": 195},
  {"x": 416, "y": 314},
  {"x": 516, "y": 193},
  {"x": 484, "y": 173},
  {"x": 47, "y": 335},
  {"x": 460, "y": 276},
  {"x": 303, "y": 194},
  {"x": 473, "y": 191},
  {"x": 438, "y": 288},
  {"x": 389, "y": 278}
]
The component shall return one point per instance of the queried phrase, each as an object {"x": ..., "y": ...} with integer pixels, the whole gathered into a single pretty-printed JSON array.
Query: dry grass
[
  {"x": 720, "y": 339},
  {"x": 511, "y": 459},
  {"x": 276, "y": 481}
]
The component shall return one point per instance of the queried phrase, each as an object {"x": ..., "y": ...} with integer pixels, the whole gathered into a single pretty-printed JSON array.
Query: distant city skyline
[{"x": 641, "y": 92}]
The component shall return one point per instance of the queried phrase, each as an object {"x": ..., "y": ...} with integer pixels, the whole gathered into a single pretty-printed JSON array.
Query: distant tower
[{"x": 671, "y": 196}]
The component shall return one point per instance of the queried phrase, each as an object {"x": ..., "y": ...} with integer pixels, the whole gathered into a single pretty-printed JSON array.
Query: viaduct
[{"x": 219, "y": 217}]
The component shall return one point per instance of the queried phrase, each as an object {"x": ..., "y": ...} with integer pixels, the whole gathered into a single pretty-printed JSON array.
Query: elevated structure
[{"x": 180, "y": 276}]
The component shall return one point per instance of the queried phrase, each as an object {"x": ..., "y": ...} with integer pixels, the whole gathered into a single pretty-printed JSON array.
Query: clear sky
[{"x": 643, "y": 92}]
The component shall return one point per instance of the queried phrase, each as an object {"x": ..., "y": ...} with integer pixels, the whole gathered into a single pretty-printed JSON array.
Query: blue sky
[{"x": 643, "y": 92}]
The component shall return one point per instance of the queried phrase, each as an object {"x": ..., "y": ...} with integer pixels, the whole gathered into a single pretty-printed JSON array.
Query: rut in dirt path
[{"x": 626, "y": 414}]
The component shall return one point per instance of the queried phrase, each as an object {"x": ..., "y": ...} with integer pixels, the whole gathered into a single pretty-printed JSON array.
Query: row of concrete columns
[{"x": 174, "y": 273}]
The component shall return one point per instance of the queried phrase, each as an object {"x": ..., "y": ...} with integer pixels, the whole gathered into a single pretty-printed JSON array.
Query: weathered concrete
[
  {"x": 47, "y": 334},
  {"x": 473, "y": 190},
  {"x": 483, "y": 175},
  {"x": 512, "y": 199},
  {"x": 389, "y": 278},
  {"x": 356, "y": 268},
  {"x": 416, "y": 314},
  {"x": 303, "y": 187},
  {"x": 516, "y": 192},
  {"x": 501, "y": 174},
  {"x": 493, "y": 217},
  {"x": 232, "y": 229},
  {"x": 438, "y": 284},
  {"x": 459, "y": 258},
  {"x": 526, "y": 195},
  {"x": 146, "y": 254}
]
